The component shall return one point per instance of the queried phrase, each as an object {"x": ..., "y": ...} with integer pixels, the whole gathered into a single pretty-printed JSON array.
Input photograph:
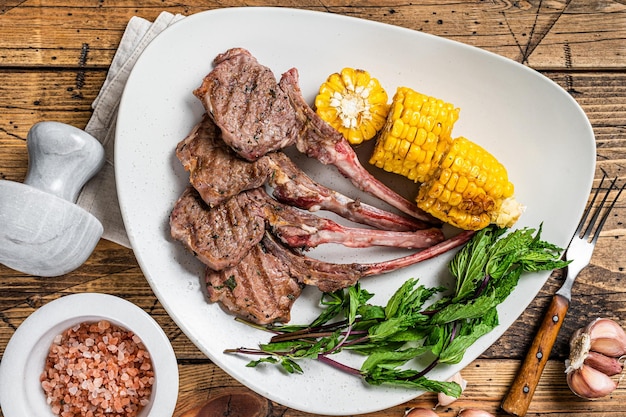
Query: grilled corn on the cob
[
  {"x": 415, "y": 136},
  {"x": 470, "y": 189},
  {"x": 353, "y": 103},
  {"x": 461, "y": 183}
]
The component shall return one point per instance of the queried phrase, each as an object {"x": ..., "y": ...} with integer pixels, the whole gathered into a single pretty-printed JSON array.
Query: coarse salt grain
[{"x": 97, "y": 369}]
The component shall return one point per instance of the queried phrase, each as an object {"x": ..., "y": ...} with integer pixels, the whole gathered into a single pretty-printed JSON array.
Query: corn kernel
[{"x": 417, "y": 118}]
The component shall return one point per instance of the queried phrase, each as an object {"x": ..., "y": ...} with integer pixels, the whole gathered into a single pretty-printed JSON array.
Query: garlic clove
[
  {"x": 579, "y": 346},
  {"x": 589, "y": 383},
  {"x": 445, "y": 400},
  {"x": 605, "y": 364},
  {"x": 420, "y": 412},
  {"x": 473, "y": 412},
  {"x": 607, "y": 337}
]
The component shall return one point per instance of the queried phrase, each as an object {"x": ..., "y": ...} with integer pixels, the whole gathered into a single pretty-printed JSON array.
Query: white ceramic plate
[
  {"x": 24, "y": 358},
  {"x": 533, "y": 126}
]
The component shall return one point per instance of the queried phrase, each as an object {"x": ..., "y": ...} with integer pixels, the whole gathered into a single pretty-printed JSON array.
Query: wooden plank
[
  {"x": 206, "y": 381},
  {"x": 27, "y": 97},
  {"x": 544, "y": 36}
]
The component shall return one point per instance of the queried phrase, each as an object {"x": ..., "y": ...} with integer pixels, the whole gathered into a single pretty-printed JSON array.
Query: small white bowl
[{"x": 24, "y": 358}]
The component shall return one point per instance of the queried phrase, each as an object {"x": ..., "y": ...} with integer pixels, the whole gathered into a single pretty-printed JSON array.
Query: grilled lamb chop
[
  {"x": 245, "y": 101},
  {"x": 222, "y": 235},
  {"x": 259, "y": 288},
  {"x": 203, "y": 153},
  {"x": 219, "y": 237},
  {"x": 257, "y": 115},
  {"x": 214, "y": 169},
  {"x": 321, "y": 141},
  {"x": 242, "y": 288},
  {"x": 299, "y": 229}
]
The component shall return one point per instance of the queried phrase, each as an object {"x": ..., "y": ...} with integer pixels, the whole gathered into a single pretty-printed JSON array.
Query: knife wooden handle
[{"x": 518, "y": 398}]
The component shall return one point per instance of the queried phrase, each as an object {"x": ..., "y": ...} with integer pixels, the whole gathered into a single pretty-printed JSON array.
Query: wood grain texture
[
  {"x": 542, "y": 34},
  {"x": 54, "y": 56},
  {"x": 518, "y": 398}
]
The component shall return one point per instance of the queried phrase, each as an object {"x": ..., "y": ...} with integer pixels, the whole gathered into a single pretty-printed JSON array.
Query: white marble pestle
[{"x": 42, "y": 231}]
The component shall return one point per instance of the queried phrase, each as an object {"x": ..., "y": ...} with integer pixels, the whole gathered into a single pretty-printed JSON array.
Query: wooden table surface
[{"x": 54, "y": 56}]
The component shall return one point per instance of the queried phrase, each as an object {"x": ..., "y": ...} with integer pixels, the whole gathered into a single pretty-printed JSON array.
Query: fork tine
[
  {"x": 579, "y": 229},
  {"x": 607, "y": 212},
  {"x": 598, "y": 209}
]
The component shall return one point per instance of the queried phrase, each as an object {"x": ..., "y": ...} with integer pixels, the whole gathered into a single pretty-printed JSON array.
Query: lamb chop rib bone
[
  {"x": 329, "y": 277},
  {"x": 221, "y": 236},
  {"x": 271, "y": 259},
  {"x": 203, "y": 153},
  {"x": 258, "y": 115}
]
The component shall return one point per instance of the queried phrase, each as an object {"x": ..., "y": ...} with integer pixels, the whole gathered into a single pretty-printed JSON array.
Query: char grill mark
[
  {"x": 243, "y": 98},
  {"x": 260, "y": 288},
  {"x": 218, "y": 237},
  {"x": 213, "y": 168}
]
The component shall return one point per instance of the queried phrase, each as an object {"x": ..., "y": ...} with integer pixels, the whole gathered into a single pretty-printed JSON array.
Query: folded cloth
[{"x": 99, "y": 196}]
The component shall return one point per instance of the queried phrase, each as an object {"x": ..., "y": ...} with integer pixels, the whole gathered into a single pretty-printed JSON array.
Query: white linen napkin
[{"x": 99, "y": 196}]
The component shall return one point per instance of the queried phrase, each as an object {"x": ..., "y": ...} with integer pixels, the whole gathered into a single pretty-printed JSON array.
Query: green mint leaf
[
  {"x": 354, "y": 304},
  {"x": 390, "y": 360},
  {"x": 468, "y": 333},
  {"x": 370, "y": 312},
  {"x": 389, "y": 327},
  {"x": 268, "y": 359},
  {"x": 409, "y": 379},
  {"x": 335, "y": 304},
  {"x": 290, "y": 366},
  {"x": 472, "y": 309},
  {"x": 398, "y": 297},
  {"x": 506, "y": 284},
  {"x": 469, "y": 263}
]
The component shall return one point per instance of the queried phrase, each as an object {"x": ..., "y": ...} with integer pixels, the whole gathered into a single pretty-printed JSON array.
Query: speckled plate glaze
[{"x": 532, "y": 125}]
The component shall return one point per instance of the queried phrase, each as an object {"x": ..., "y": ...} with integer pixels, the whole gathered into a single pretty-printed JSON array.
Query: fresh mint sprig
[{"x": 412, "y": 325}]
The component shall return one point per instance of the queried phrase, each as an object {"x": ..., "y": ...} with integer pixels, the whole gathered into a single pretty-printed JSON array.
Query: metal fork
[{"x": 579, "y": 252}]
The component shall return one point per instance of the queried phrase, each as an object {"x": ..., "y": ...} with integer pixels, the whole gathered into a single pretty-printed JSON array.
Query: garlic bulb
[
  {"x": 420, "y": 412},
  {"x": 595, "y": 356},
  {"x": 443, "y": 399}
]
